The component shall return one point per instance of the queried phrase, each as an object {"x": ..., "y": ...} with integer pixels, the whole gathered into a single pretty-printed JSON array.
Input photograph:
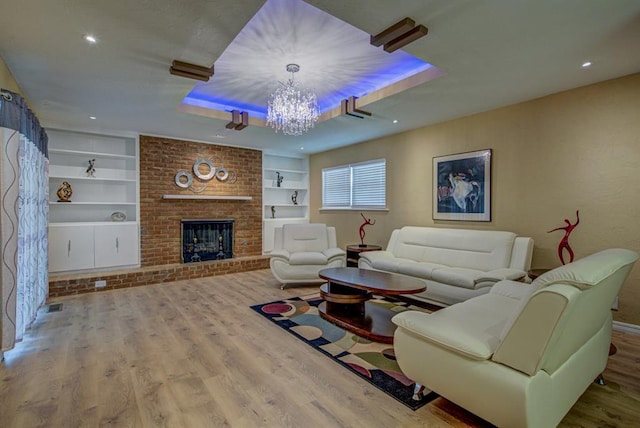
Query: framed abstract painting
[{"x": 462, "y": 186}]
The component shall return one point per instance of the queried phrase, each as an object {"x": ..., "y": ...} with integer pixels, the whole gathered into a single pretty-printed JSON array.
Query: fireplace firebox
[{"x": 204, "y": 240}]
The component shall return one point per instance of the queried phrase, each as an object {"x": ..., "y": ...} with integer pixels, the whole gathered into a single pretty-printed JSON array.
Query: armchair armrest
[
  {"x": 527, "y": 336},
  {"x": 280, "y": 254},
  {"x": 376, "y": 255},
  {"x": 500, "y": 274},
  {"x": 444, "y": 332},
  {"x": 333, "y": 252},
  {"x": 513, "y": 289}
]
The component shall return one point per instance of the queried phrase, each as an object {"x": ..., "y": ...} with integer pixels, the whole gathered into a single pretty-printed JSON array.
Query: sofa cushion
[
  {"x": 418, "y": 269},
  {"x": 470, "y": 328},
  {"x": 474, "y": 249},
  {"x": 388, "y": 264},
  {"x": 307, "y": 258},
  {"x": 459, "y": 277}
]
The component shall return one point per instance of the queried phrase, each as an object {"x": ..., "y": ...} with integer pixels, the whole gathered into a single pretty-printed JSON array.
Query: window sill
[{"x": 324, "y": 209}]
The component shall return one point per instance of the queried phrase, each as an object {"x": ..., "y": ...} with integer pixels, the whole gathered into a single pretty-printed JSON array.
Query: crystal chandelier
[{"x": 291, "y": 109}]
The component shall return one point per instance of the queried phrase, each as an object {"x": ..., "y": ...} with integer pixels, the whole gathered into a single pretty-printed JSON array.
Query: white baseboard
[{"x": 626, "y": 328}]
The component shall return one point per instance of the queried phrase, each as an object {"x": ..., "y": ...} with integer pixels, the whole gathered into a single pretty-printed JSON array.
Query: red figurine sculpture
[
  {"x": 564, "y": 242},
  {"x": 367, "y": 221}
]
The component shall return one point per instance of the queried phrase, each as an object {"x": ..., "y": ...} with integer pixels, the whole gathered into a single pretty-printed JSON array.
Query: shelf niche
[{"x": 294, "y": 173}]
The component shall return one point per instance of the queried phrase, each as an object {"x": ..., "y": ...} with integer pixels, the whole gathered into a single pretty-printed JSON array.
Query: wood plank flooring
[{"x": 193, "y": 354}]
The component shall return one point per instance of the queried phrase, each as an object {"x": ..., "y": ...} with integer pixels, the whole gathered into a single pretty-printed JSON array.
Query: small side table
[{"x": 353, "y": 253}]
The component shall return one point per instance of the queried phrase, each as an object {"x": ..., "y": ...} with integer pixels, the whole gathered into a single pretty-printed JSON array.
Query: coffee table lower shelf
[{"x": 366, "y": 319}]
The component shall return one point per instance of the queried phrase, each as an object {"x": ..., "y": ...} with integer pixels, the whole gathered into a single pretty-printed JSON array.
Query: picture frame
[{"x": 462, "y": 186}]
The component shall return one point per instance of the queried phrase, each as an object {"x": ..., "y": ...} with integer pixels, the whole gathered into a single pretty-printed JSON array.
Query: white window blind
[
  {"x": 336, "y": 187},
  {"x": 356, "y": 186}
]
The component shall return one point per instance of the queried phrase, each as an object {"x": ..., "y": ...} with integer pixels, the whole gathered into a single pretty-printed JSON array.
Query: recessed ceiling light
[
  {"x": 92, "y": 117},
  {"x": 395, "y": 120},
  {"x": 219, "y": 136},
  {"x": 90, "y": 38},
  {"x": 301, "y": 148},
  {"x": 586, "y": 64}
]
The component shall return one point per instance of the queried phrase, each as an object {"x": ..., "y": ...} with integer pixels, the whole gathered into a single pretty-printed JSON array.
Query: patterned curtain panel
[{"x": 24, "y": 213}]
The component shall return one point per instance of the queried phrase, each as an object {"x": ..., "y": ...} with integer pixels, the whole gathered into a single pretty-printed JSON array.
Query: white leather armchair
[
  {"x": 300, "y": 251},
  {"x": 521, "y": 355}
]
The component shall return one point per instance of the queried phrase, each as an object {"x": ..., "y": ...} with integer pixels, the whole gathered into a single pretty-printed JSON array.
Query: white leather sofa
[
  {"x": 301, "y": 250},
  {"x": 457, "y": 264},
  {"x": 521, "y": 355}
]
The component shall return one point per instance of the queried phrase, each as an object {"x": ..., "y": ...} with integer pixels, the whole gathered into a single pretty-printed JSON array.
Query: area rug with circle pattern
[{"x": 375, "y": 362}]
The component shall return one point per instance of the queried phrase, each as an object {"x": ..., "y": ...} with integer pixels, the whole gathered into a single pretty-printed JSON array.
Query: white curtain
[{"x": 24, "y": 211}]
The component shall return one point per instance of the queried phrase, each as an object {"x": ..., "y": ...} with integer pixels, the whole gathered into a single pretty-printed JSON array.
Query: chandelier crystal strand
[{"x": 291, "y": 109}]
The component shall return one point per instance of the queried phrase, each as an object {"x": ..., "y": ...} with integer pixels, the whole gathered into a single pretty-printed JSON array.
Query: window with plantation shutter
[
  {"x": 357, "y": 186},
  {"x": 336, "y": 187}
]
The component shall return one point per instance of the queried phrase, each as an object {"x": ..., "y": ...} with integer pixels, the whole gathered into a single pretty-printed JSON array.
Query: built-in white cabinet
[
  {"x": 285, "y": 195},
  {"x": 70, "y": 247},
  {"x": 101, "y": 217},
  {"x": 84, "y": 246},
  {"x": 116, "y": 245}
]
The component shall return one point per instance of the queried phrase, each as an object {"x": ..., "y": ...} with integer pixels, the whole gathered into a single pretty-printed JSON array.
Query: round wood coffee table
[{"x": 346, "y": 296}]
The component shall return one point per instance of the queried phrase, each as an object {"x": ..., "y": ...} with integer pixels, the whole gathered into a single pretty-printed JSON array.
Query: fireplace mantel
[{"x": 227, "y": 198}]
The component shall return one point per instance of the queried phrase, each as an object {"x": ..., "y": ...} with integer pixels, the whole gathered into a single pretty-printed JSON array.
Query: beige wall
[
  {"x": 6, "y": 79},
  {"x": 576, "y": 150}
]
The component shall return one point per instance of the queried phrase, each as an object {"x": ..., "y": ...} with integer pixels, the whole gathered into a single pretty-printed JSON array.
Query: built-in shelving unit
[
  {"x": 278, "y": 200},
  {"x": 84, "y": 233},
  {"x": 113, "y": 187}
]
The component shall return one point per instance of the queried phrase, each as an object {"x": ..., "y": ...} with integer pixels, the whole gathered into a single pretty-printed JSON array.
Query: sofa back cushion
[
  {"x": 473, "y": 249},
  {"x": 305, "y": 237}
]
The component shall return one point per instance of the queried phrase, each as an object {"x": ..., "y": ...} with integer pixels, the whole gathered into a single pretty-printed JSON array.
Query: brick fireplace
[{"x": 160, "y": 160}]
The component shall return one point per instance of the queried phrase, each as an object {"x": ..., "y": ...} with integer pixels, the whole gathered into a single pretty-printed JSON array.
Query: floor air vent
[{"x": 56, "y": 307}]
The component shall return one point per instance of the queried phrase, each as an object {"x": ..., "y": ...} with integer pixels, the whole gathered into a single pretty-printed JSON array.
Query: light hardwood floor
[{"x": 193, "y": 354}]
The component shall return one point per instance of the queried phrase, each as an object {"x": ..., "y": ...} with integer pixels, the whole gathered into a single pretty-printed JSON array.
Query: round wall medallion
[
  {"x": 183, "y": 179},
  {"x": 195, "y": 189},
  {"x": 201, "y": 176},
  {"x": 222, "y": 173},
  {"x": 232, "y": 177}
]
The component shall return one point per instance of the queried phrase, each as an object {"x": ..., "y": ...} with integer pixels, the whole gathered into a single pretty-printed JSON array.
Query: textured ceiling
[
  {"x": 492, "y": 54},
  {"x": 336, "y": 59}
]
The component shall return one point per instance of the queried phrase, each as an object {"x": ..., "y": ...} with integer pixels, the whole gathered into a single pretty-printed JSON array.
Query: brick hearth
[{"x": 64, "y": 285}]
